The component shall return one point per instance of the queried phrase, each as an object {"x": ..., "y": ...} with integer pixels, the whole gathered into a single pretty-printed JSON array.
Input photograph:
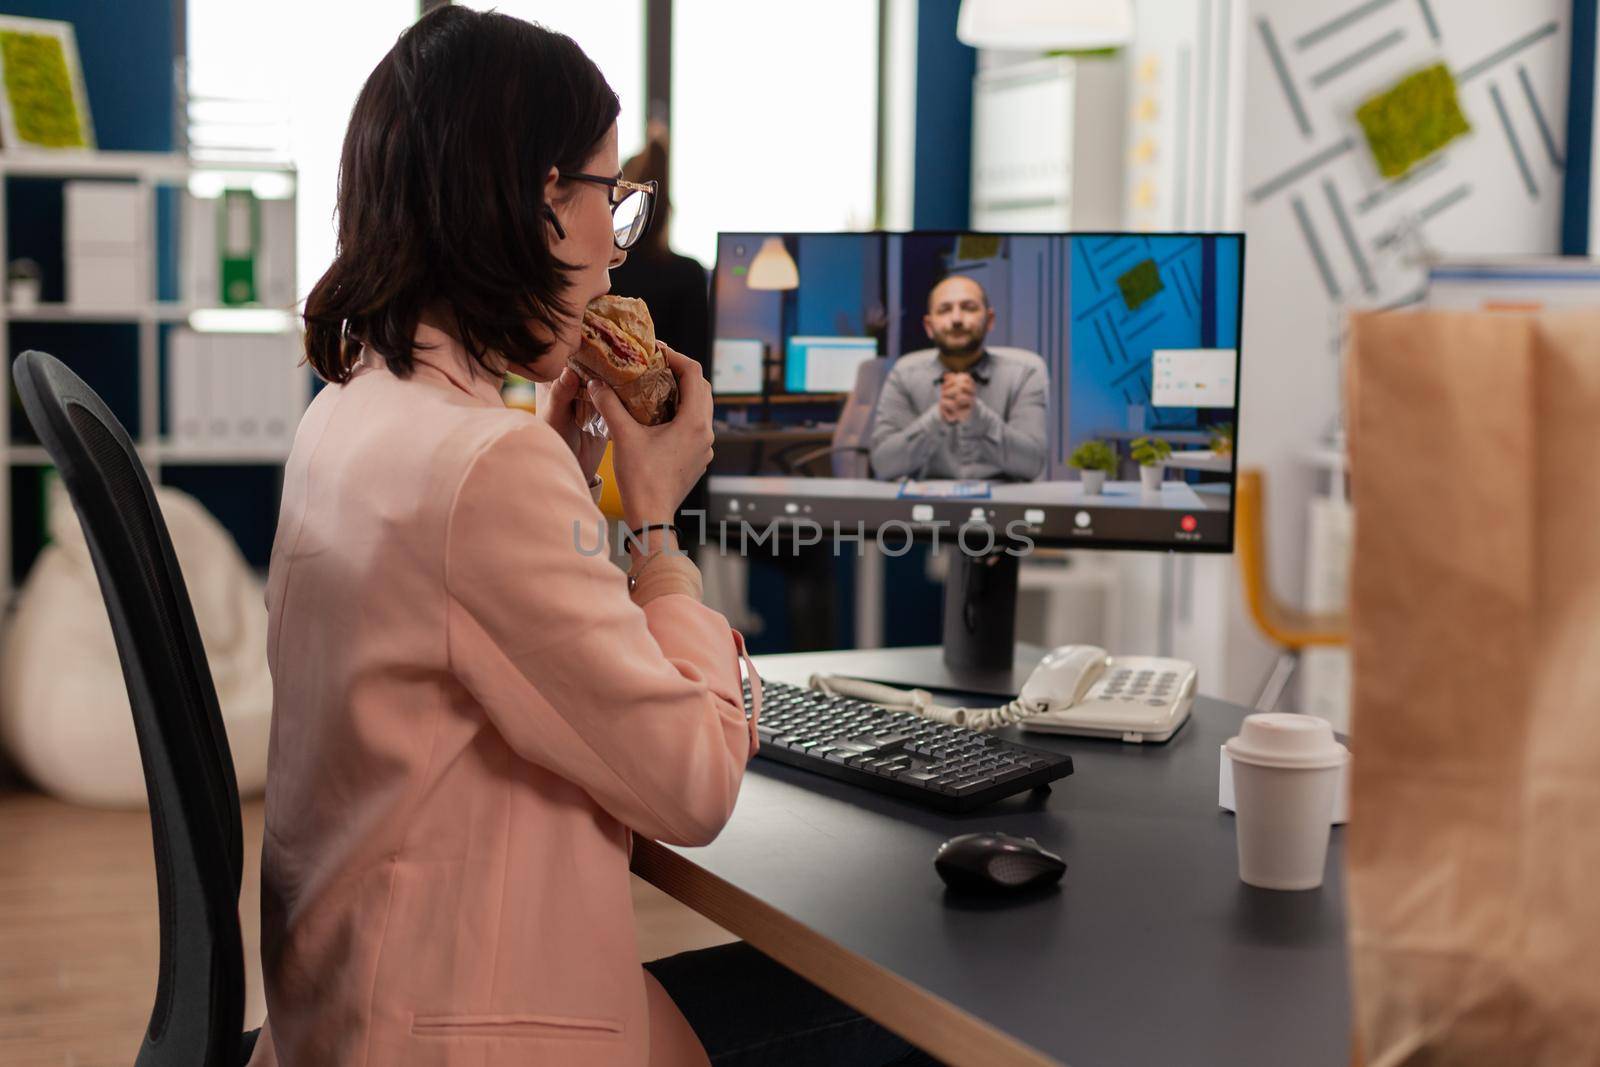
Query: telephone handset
[{"x": 1076, "y": 689}]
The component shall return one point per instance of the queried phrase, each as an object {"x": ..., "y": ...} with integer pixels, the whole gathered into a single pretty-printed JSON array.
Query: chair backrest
[
  {"x": 852, "y": 436},
  {"x": 1288, "y": 627},
  {"x": 1249, "y": 546},
  {"x": 194, "y": 799}
]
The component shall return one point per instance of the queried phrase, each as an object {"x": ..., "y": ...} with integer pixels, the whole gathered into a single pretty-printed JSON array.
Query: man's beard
[{"x": 960, "y": 346}]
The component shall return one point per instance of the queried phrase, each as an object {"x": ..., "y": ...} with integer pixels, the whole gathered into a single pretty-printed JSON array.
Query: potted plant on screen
[
  {"x": 1151, "y": 454},
  {"x": 1094, "y": 461},
  {"x": 1222, "y": 438}
]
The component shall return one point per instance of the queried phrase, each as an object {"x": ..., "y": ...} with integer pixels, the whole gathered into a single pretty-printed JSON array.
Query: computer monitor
[
  {"x": 825, "y": 364},
  {"x": 1046, "y": 343},
  {"x": 736, "y": 364}
]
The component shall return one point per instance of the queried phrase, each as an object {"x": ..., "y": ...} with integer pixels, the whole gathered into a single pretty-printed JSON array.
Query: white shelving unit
[{"x": 149, "y": 171}]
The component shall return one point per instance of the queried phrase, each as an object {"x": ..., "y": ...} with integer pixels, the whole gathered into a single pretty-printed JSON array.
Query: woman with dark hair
[{"x": 473, "y": 708}]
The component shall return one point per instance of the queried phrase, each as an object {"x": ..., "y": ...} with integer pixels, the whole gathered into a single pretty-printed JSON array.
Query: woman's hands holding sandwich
[
  {"x": 656, "y": 466},
  {"x": 558, "y": 406}
]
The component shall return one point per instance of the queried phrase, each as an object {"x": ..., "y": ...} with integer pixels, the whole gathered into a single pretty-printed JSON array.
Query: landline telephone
[{"x": 1076, "y": 689}]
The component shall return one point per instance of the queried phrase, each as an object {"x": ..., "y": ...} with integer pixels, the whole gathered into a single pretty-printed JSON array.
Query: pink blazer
[{"x": 470, "y": 716}]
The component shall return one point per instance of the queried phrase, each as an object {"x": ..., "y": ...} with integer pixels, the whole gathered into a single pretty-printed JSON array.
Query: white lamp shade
[
  {"x": 1045, "y": 25},
  {"x": 773, "y": 267}
]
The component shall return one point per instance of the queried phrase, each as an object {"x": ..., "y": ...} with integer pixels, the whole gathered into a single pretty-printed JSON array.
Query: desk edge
[{"x": 930, "y": 1022}]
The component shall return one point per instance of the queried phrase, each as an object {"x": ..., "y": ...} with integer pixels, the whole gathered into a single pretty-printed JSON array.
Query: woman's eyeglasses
[{"x": 630, "y": 215}]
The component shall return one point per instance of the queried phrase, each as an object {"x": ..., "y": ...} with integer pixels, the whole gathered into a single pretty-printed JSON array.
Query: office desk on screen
[
  {"x": 1201, "y": 460},
  {"x": 1121, "y": 442},
  {"x": 1151, "y": 951},
  {"x": 1172, "y": 496},
  {"x": 731, "y": 443}
]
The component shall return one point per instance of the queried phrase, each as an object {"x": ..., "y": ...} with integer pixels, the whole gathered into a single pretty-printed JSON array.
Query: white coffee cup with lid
[{"x": 1285, "y": 772}]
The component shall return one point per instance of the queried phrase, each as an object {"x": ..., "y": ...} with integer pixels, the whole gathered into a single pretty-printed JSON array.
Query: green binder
[{"x": 239, "y": 244}]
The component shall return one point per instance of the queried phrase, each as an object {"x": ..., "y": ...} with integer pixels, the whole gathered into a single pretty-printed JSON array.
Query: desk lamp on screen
[{"x": 973, "y": 381}]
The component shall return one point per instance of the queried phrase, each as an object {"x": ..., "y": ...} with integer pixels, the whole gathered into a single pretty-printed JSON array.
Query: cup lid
[{"x": 1279, "y": 739}]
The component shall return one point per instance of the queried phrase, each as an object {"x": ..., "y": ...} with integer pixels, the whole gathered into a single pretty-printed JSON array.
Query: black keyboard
[{"x": 896, "y": 752}]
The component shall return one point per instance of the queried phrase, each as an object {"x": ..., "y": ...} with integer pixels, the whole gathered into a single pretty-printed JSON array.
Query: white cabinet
[
  {"x": 1047, "y": 144},
  {"x": 109, "y": 244}
]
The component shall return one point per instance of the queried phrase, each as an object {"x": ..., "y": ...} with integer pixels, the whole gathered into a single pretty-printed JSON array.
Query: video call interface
[{"x": 872, "y": 371}]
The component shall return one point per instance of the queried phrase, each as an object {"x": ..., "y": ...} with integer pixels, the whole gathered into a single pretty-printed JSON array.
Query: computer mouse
[{"x": 996, "y": 862}]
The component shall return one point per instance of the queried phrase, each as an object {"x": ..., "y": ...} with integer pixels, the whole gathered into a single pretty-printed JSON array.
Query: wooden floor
[{"x": 78, "y": 937}]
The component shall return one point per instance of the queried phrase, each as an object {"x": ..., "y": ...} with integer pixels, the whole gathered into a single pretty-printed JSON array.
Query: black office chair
[{"x": 188, "y": 770}]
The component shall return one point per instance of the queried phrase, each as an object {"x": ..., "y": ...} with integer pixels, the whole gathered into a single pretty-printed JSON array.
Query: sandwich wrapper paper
[{"x": 1474, "y": 844}]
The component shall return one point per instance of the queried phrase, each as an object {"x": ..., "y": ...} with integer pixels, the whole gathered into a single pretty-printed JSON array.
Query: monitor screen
[
  {"x": 825, "y": 364},
  {"x": 1076, "y": 388},
  {"x": 736, "y": 365}
]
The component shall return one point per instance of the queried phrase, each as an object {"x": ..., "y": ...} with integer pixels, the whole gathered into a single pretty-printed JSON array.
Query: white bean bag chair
[{"x": 64, "y": 715}]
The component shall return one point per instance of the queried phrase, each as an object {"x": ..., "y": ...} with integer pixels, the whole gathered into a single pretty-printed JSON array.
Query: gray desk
[
  {"x": 1150, "y": 952},
  {"x": 733, "y": 441}
]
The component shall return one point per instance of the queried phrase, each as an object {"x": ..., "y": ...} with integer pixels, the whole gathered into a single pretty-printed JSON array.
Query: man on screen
[{"x": 960, "y": 410}]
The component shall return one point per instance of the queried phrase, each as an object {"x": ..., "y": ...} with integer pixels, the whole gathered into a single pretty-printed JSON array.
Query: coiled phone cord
[{"x": 920, "y": 702}]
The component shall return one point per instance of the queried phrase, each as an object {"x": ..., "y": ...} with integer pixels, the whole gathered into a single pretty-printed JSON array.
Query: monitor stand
[{"x": 980, "y": 654}]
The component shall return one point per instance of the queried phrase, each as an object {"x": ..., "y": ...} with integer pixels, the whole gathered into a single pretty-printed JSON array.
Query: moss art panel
[
  {"x": 1140, "y": 283},
  {"x": 1412, "y": 120},
  {"x": 975, "y": 247},
  {"x": 38, "y": 87}
]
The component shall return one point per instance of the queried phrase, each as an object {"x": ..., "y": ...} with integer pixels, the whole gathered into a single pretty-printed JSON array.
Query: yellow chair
[
  {"x": 610, "y": 499},
  {"x": 1291, "y": 629}
]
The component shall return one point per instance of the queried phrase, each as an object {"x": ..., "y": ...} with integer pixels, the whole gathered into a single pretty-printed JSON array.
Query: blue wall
[
  {"x": 127, "y": 48},
  {"x": 834, "y": 280},
  {"x": 942, "y": 160},
  {"x": 1197, "y": 307},
  {"x": 743, "y": 312},
  {"x": 1577, "y": 187},
  {"x": 127, "y": 51}
]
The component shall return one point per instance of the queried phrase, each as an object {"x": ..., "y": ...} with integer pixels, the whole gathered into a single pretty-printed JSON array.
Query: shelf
[
  {"x": 50, "y": 312},
  {"x": 189, "y": 456},
  {"x": 167, "y": 455},
  {"x": 208, "y": 320},
  {"x": 154, "y": 166}
]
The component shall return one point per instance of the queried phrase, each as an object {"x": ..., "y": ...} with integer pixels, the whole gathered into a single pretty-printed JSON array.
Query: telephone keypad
[{"x": 1139, "y": 687}]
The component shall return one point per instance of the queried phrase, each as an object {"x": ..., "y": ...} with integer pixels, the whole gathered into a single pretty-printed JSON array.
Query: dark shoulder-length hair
[{"x": 441, "y": 191}]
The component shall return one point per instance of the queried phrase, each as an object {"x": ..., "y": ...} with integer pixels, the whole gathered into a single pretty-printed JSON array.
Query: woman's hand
[
  {"x": 558, "y": 403},
  {"x": 656, "y": 466}
]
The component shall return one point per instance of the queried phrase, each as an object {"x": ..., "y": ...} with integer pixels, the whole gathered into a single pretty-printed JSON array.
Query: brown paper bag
[{"x": 1474, "y": 839}]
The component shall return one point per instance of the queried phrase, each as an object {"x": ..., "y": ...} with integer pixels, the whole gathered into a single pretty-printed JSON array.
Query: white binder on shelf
[
  {"x": 201, "y": 284},
  {"x": 185, "y": 415},
  {"x": 219, "y": 394},
  {"x": 286, "y": 390},
  {"x": 275, "y": 261},
  {"x": 106, "y": 243}
]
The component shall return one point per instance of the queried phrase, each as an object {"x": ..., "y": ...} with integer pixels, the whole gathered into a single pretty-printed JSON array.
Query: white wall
[
  {"x": 1198, "y": 159},
  {"x": 1185, "y": 141},
  {"x": 1475, "y": 199},
  {"x": 1291, "y": 321}
]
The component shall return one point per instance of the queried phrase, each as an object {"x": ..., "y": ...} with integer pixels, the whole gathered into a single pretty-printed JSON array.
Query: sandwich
[{"x": 618, "y": 346}]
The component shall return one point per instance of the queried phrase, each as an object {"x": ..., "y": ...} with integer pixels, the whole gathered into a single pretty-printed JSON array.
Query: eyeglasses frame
[{"x": 651, "y": 189}]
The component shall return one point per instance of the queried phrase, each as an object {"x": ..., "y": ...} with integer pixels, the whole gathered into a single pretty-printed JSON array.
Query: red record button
[{"x": 1188, "y": 523}]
